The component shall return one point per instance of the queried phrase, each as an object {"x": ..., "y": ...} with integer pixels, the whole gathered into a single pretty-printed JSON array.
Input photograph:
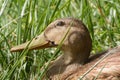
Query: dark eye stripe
[{"x": 60, "y": 23}]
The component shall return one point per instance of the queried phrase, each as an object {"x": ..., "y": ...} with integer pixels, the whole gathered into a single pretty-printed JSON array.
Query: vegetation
[{"x": 21, "y": 20}]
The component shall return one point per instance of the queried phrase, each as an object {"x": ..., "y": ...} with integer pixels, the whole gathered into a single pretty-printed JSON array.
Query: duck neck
[{"x": 75, "y": 57}]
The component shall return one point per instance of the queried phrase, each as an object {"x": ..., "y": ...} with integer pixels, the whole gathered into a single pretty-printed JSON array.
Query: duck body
[
  {"x": 76, "y": 47},
  {"x": 107, "y": 68}
]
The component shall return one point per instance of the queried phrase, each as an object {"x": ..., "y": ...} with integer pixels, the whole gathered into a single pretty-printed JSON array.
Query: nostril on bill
[{"x": 36, "y": 37}]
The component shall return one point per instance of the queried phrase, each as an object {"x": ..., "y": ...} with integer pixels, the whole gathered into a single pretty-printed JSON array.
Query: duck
[{"x": 76, "y": 62}]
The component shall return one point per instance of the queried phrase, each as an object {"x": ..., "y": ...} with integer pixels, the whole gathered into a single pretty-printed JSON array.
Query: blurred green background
[{"x": 21, "y": 20}]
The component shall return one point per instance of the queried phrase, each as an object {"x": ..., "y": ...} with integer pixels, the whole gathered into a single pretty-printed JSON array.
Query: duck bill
[{"x": 39, "y": 42}]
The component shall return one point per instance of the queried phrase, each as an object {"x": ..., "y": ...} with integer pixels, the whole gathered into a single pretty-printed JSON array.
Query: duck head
[{"x": 76, "y": 41}]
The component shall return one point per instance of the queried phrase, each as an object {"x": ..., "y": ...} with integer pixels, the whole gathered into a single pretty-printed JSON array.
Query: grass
[{"x": 21, "y": 20}]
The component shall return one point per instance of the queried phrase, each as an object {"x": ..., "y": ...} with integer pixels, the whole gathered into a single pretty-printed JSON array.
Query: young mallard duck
[{"x": 76, "y": 47}]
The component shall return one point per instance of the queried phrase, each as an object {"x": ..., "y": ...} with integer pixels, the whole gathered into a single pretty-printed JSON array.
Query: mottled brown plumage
[{"x": 76, "y": 47}]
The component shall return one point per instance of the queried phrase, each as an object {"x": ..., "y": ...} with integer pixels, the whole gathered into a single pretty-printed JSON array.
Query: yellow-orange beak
[{"x": 39, "y": 42}]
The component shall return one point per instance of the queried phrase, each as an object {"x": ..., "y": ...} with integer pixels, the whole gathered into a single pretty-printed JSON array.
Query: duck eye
[{"x": 60, "y": 23}]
